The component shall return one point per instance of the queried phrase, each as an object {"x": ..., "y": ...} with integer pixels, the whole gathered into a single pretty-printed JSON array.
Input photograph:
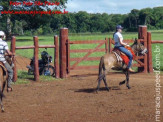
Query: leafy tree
[
  {"x": 81, "y": 21},
  {"x": 6, "y": 6}
]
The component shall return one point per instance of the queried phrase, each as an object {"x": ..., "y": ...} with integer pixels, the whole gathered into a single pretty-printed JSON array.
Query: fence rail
[
  {"x": 36, "y": 47},
  {"x": 63, "y": 51},
  {"x": 156, "y": 41}
]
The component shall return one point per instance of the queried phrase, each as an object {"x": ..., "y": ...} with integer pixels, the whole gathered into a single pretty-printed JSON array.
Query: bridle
[{"x": 138, "y": 48}]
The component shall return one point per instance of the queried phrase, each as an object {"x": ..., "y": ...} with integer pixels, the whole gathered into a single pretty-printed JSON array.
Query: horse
[
  {"x": 3, "y": 78},
  {"x": 109, "y": 61}
]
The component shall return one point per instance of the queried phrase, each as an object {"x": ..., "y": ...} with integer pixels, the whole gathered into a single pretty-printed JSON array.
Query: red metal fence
[
  {"x": 63, "y": 51},
  {"x": 36, "y": 47},
  {"x": 144, "y": 63}
]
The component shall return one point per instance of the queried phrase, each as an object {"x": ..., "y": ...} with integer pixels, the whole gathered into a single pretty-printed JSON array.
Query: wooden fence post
[
  {"x": 106, "y": 45},
  {"x": 68, "y": 56},
  {"x": 110, "y": 45},
  {"x": 13, "y": 45},
  {"x": 63, "y": 57},
  {"x": 150, "y": 65},
  {"x": 56, "y": 57},
  {"x": 36, "y": 65},
  {"x": 143, "y": 35}
]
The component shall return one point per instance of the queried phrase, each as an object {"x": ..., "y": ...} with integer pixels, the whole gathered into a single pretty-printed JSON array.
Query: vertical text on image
[{"x": 157, "y": 53}]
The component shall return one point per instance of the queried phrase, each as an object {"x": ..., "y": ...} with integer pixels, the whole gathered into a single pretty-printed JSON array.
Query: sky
[{"x": 110, "y": 6}]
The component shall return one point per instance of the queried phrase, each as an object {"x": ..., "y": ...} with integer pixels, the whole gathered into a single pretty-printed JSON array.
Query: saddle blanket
[{"x": 121, "y": 57}]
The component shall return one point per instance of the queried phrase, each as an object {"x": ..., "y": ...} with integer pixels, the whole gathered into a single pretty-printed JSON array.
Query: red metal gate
[
  {"x": 65, "y": 53},
  {"x": 87, "y": 51}
]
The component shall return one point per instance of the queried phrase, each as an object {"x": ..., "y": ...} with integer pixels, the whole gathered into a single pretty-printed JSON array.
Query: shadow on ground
[{"x": 93, "y": 90}]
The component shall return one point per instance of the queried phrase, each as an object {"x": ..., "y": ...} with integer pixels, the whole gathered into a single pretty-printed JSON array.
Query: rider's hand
[
  {"x": 128, "y": 45},
  {"x": 13, "y": 54},
  {"x": 10, "y": 54}
]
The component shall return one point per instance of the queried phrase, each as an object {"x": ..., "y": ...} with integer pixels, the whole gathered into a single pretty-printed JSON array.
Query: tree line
[{"x": 84, "y": 22}]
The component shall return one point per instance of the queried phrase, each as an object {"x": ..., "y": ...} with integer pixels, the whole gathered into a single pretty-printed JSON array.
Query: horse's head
[{"x": 139, "y": 48}]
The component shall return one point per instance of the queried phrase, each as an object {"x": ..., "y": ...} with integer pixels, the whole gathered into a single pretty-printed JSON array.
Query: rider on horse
[
  {"x": 4, "y": 48},
  {"x": 119, "y": 44}
]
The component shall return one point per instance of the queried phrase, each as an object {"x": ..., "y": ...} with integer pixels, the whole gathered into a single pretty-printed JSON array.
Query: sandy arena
[{"x": 74, "y": 100}]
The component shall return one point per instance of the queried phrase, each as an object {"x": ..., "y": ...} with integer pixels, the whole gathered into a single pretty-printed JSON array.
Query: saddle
[{"x": 121, "y": 57}]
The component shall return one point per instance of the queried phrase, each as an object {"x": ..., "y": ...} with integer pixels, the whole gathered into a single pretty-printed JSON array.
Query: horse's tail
[{"x": 101, "y": 65}]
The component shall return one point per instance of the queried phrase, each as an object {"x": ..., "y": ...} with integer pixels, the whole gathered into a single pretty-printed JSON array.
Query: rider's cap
[
  {"x": 119, "y": 27},
  {"x": 2, "y": 33}
]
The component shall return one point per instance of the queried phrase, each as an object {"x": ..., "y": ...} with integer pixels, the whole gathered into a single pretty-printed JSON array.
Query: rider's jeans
[
  {"x": 128, "y": 53},
  {"x": 10, "y": 73}
]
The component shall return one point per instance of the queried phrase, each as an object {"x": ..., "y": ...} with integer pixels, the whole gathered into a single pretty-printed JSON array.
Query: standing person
[
  {"x": 4, "y": 48},
  {"x": 118, "y": 38}
]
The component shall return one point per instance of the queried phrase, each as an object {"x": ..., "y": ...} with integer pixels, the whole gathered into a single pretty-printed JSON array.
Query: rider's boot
[{"x": 131, "y": 70}]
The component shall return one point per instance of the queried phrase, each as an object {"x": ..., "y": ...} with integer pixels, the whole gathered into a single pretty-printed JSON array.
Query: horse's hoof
[
  {"x": 121, "y": 83},
  {"x": 96, "y": 91},
  {"x": 3, "y": 110},
  {"x": 128, "y": 87},
  {"x": 108, "y": 89}
]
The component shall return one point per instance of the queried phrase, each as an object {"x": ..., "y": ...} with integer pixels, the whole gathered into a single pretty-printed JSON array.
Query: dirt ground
[
  {"x": 74, "y": 100},
  {"x": 22, "y": 62}
]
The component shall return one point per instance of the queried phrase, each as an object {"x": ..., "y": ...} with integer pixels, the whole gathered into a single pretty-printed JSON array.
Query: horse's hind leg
[
  {"x": 123, "y": 82},
  {"x": 101, "y": 76},
  {"x": 104, "y": 79},
  {"x": 99, "y": 82},
  {"x": 127, "y": 78}
]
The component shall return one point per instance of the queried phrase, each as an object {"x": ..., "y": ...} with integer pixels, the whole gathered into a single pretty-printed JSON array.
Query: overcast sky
[{"x": 110, "y": 6}]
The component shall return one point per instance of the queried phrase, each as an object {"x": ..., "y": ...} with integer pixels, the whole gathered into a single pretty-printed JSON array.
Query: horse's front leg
[
  {"x": 127, "y": 79},
  {"x": 1, "y": 96}
]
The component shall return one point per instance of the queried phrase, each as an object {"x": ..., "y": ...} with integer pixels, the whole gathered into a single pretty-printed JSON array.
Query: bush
[
  {"x": 27, "y": 33},
  {"x": 133, "y": 29},
  {"x": 47, "y": 30},
  {"x": 40, "y": 31},
  {"x": 151, "y": 27},
  {"x": 160, "y": 24}
]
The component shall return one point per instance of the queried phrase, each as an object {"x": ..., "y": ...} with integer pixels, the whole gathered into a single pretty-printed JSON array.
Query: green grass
[
  {"x": 24, "y": 78},
  {"x": 157, "y": 31},
  {"x": 48, "y": 40}
]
